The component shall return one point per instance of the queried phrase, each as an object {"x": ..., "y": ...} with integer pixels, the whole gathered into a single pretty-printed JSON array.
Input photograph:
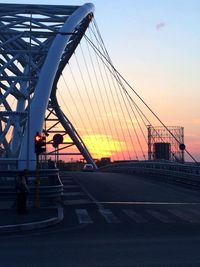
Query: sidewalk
[{"x": 36, "y": 218}]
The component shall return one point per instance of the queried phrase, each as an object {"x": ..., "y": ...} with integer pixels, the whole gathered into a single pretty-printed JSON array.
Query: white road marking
[
  {"x": 159, "y": 216},
  {"x": 99, "y": 205},
  {"x": 149, "y": 203},
  {"x": 83, "y": 216},
  {"x": 184, "y": 215},
  {"x": 109, "y": 216},
  {"x": 134, "y": 216},
  {"x": 195, "y": 212}
]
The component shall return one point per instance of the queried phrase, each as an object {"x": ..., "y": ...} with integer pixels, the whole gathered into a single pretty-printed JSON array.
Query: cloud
[{"x": 160, "y": 25}]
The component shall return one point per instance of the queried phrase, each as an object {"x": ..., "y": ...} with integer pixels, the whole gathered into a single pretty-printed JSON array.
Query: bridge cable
[
  {"x": 83, "y": 105},
  {"x": 87, "y": 93},
  {"x": 108, "y": 101},
  {"x": 115, "y": 104},
  {"x": 77, "y": 109},
  {"x": 95, "y": 97},
  {"x": 139, "y": 111},
  {"x": 118, "y": 99},
  {"x": 101, "y": 96},
  {"x": 124, "y": 101},
  {"x": 147, "y": 106},
  {"x": 107, "y": 55},
  {"x": 120, "y": 144},
  {"x": 131, "y": 99},
  {"x": 90, "y": 121}
]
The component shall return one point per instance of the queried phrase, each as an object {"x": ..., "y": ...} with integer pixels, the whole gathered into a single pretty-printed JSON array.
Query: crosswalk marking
[
  {"x": 184, "y": 215},
  {"x": 195, "y": 212},
  {"x": 109, "y": 216},
  {"x": 159, "y": 216},
  {"x": 83, "y": 216},
  {"x": 134, "y": 216},
  {"x": 164, "y": 216},
  {"x": 80, "y": 202}
]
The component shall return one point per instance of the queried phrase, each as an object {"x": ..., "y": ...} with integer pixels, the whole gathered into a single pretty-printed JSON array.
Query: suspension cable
[
  {"x": 102, "y": 101},
  {"x": 133, "y": 90},
  {"x": 78, "y": 111},
  {"x": 121, "y": 84},
  {"x": 126, "y": 107},
  {"x": 95, "y": 97},
  {"x": 115, "y": 105}
]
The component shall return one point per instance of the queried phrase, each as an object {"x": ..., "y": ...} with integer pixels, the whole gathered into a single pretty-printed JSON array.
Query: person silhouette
[{"x": 22, "y": 191}]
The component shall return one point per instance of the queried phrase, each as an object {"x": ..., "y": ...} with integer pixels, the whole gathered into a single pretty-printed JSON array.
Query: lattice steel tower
[
  {"x": 167, "y": 141},
  {"x": 36, "y": 42}
]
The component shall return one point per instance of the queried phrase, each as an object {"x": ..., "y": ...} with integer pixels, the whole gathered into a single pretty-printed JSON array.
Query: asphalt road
[
  {"x": 117, "y": 187},
  {"x": 112, "y": 245}
]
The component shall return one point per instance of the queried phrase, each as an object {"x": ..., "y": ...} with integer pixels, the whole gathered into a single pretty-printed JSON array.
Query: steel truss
[
  {"x": 174, "y": 137},
  {"x": 36, "y": 42}
]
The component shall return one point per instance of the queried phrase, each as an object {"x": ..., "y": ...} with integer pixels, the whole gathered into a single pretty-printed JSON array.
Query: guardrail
[
  {"x": 156, "y": 168},
  {"x": 50, "y": 186},
  {"x": 157, "y": 165}
]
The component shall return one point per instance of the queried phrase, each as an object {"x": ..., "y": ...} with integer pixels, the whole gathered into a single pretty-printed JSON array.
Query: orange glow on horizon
[{"x": 103, "y": 145}]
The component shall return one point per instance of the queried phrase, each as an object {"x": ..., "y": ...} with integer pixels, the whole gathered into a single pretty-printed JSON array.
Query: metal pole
[
  {"x": 37, "y": 184},
  {"x": 149, "y": 142},
  {"x": 28, "y": 108}
]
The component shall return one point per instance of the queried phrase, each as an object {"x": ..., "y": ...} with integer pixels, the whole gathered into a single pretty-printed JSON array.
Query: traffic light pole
[
  {"x": 40, "y": 147},
  {"x": 37, "y": 183}
]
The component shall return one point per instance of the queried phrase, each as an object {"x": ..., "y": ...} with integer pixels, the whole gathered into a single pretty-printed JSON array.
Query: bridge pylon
[{"x": 36, "y": 42}]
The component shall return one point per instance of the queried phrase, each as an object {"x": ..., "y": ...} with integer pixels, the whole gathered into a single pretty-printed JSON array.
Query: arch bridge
[
  {"x": 42, "y": 49},
  {"x": 36, "y": 42}
]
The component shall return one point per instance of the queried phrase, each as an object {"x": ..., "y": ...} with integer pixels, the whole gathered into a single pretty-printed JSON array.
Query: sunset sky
[{"x": 155, "y": 45}]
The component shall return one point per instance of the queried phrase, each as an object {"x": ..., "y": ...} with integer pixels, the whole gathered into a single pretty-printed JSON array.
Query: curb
[{"x": 34, "y": 225}]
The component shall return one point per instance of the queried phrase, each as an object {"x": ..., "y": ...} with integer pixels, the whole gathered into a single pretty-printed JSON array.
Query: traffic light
[
  {"x": 43, "y": 144},
  {"x": 40, "y": 144}
]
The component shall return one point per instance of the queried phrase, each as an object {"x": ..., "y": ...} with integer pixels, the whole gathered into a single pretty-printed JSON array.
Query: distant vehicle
[{"x": 88, "y": 168}]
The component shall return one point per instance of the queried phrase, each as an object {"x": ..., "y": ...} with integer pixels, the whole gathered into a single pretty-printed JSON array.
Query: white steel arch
[{"x": 32, "y": 43}]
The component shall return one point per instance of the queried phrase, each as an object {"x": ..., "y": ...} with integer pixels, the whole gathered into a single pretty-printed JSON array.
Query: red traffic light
[
  {"x": 38, "y": 138},
  {"x": 40, "y": 144}
]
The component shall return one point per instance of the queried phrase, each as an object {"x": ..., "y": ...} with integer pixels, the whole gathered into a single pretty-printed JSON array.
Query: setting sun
[{"x": 103, "y": 145}]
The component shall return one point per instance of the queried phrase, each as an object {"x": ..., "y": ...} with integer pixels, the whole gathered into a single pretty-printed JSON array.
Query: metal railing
[
  {"x": 166, "y": 168},
  {"x": 50, "y": 185}
]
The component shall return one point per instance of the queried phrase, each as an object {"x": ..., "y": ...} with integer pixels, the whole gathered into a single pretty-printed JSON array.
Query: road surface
[{"x": 114, "y": 220}]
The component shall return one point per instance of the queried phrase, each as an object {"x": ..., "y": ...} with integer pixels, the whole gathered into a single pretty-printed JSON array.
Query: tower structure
[
  {"x": 164, "y": 143},
  {"x": 36, "y": 42}
]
